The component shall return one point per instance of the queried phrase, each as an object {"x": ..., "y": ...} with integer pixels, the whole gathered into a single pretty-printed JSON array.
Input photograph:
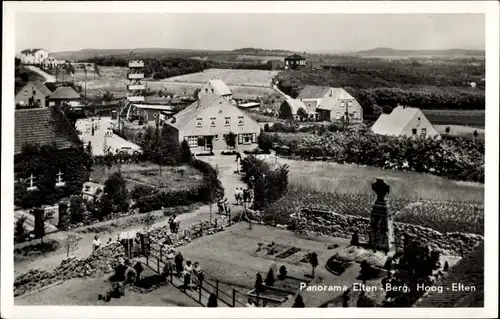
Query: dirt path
[
  {"x": 48, "y": 77},
  {"x": 229, "y": 179}
]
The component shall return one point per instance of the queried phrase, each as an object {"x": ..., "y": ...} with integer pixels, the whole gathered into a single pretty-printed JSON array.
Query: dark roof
[
  {"x": 295, "y": 57},
  {"x": 30, "y": 51},
  {"x": 64, "y": 93},
  {"x": 180, "y": 119},
  {"x": 469, "y": 271},
  {"x": 313, "y": 92},
  {"x": 43, "y": 126},
  {"x": 39, "y": 85}
]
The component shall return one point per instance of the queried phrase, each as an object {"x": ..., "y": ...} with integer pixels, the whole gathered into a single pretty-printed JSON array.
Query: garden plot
[{"x": 229, "y": 77}]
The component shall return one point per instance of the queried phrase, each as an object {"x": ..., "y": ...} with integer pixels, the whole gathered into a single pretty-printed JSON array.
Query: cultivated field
[
  {"x": 460, "y": 130},
  {"x": 419, "y": 199},
  {"x": 229, "y": 76},
  {"x": 473, "y": 118},
  {"x": 148, "y": 174}
]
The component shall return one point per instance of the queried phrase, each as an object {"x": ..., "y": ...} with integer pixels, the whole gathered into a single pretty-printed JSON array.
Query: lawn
[
  {"x": 148, "y": 173},
  {"x": 229, "y": 77}
]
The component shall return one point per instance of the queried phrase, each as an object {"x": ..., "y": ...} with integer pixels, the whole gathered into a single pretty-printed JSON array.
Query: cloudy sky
[{"x": 301, "y": 32}]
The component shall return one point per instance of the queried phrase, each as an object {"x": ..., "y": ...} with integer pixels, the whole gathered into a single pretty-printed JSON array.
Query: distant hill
[{"x": 387, "y": 52}]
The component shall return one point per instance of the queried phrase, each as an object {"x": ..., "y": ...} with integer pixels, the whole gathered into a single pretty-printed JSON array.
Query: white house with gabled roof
[
  {"x": 405, "y": 121},
  {"x": 217, "y": 87}
]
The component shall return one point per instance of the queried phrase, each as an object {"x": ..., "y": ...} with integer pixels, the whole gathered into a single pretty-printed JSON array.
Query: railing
[{"x": 224, "y": 292}]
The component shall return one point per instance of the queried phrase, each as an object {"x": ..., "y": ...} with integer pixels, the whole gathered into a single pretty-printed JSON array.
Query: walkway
[{"x": 48, "y": 77}]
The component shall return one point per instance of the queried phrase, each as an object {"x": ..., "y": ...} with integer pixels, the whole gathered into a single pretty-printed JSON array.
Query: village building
[
  {"x": 405, "y": 121},
  {"x": 33, "y": 94},
  {"x": 294, "y": 62},
  {"x": 211, "y": 118},
  {"x": 34, "y": 56},
  {"x": 321, "y": 103},
  {"x": 217, "y": 87},
  {"x": 150, "y": 112},
  {"x": 275, "y": 64},
  {"x": 64, "y": 94},
  {"x": 296, "y": 109},
  {"x": 51, "y": 62}
]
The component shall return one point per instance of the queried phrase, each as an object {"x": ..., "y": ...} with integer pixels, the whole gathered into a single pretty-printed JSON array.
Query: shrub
[
  {"x": 77, "y": 208},
  {"x": 283, "y": 272},
  {"x": 259, "y": 288},
  {"x": 186, "y": 155},
  {"x": 20, "y": 229},
  {"x": 141, "y": 191},
  {"x": 270, "y": 278},
  {"x": 115, "y": 187}
]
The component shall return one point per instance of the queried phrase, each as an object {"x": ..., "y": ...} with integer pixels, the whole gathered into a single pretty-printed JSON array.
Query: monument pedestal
[{"x": 381, "y": 221}]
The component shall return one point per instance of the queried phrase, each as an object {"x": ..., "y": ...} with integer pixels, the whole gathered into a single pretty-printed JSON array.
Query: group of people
[
  {"x": 223, "y": 205},
  {"x": 174, "y": 224},
  {"x": 243, "y": 196},
  {"x": 184, "y": 269}
]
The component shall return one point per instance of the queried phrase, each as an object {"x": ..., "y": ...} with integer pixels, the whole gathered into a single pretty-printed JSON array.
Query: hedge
[
  {"x": 454, "y": 158},
  {"x": 171, "y": 198}
]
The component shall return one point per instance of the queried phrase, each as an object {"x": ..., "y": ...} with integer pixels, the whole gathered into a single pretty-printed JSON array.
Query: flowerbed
[
  {"x": 338, "y": 225},
  {"x": 102, "y": 261},
  {"x": 456, "y": 158},
  {"x": 439, "y": 215}
]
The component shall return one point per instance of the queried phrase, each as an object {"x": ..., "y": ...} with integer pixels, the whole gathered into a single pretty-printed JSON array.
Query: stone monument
[{"x": 381, "y": 220}]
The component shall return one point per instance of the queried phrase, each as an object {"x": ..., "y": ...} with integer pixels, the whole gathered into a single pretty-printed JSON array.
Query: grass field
[
  {"x": 229, "y": 76},
  {"x": 460, "y": 130},
  {"x": 148, "y": 173},
  {"x": 473, "y": 118}
]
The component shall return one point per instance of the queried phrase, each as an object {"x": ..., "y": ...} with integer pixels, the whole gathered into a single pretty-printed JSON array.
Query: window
[
  {"x": 240, "y": 120},
  {"x": 342, "y": 103},
  {"x": 246, "y": 138},
  {"x": 216, "y": 137},
  {"x": 192, "y": 141},
  {"x": 338, "y": 116},
  {"x": 212, "y": 122},
  {"x": 26, "y": 92},
  {"x": 227, "y": 121},
  {"x": 349, "y": 103},
  {"x": 199, "y": 122},
  {"x": 212, "y": 90},
  {"x": 206, "y": 90},
  {"x": 424, "y": 132},
  {"x": 354, "y": 114},
  {"x": 414, "y": 131}
]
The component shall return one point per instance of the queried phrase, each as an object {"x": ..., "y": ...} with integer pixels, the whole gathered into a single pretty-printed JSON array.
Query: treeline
[
  {"x": 170, "y": 67},
  {"x": 390, "y": 87}
]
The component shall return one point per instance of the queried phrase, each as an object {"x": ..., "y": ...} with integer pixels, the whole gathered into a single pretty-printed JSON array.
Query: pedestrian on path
[
  {"x": 188, "y": 270},
  {"x": 96, "y": 243},
  {"x": 178, "y": 263},
  {"x": 198, "y": 274}
]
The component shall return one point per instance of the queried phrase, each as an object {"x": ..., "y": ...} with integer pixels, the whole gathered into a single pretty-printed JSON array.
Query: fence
[{"x": 225, "y": 293}]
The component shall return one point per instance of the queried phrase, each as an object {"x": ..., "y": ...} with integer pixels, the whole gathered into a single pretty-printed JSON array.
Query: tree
[
  {"x": 313, "y": 260},
  {"x": 20, "y": 228},
  {"x": 186, "y": 154},
  {"x": 107, "y": 97},
  {"x": 270, "y": 278},
  {"x": 40, "y": 218},
  {"x": 299, "y": 302},
  {"x": 447, "y": 130},
  {"x": 116, "y": 188},
  {"x": 70, "y": 242},
  {"x": 282, "y": 272},
  {"x": 446, "y": 266},
  {"x": 76, "y": 209},
  {"x": 230, "y": 140},
  {"x": 259, "y": 288}
]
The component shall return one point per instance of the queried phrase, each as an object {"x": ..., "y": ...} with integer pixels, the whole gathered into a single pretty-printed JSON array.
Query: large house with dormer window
[
  {"x": 210, "y": 119},
  {"x": 34, "y": 56}
]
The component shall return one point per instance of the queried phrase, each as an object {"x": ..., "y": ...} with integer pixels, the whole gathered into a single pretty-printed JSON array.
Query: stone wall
[
  {"x": 102, "y": 261},
  {"x": 337, "y": 225}
]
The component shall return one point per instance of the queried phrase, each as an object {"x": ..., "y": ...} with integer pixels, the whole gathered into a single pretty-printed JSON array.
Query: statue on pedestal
[{"x": 381, "y": 221}]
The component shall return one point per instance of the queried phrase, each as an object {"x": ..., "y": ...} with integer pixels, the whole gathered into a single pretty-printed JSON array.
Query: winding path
[{"x": 48, "y": 77}]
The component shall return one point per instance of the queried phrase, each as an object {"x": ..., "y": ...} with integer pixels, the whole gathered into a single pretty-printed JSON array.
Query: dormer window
[
  {"x": 199, "y": 122},
  {"x": 212, "y": 122},
  {"x": 342, "y": 103},
  {"x": 349, "y": 103},
  {"x": 206, "y": 90},
  {"x": 240, "y": 120},
  {"x": 227, "y": 121}
]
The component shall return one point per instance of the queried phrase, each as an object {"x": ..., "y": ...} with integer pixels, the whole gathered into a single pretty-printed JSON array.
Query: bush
[
  {"x": 20, "y": 229},
  {"x": 283, "y": 272},
  {"x": 47, "y": 246},
  {"x": 270, "y": 278},
  {"x": 141, "y": 191},
  {"x": 77, "y": 209},
  {"x": 228, "y": 153},
  {"x": 451, "y": 157},
  {"x": 205, "y": 154}
]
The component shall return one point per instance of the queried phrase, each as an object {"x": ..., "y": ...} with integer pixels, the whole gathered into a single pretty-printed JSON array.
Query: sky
[{"x": 227, "y": 31}]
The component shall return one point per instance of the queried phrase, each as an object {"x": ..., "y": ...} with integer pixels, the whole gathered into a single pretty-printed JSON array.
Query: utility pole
[{"x": 85, "y": 94}]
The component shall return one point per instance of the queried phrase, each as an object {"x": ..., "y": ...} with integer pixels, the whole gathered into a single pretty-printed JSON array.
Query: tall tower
[{"x": 135, "y": 86}]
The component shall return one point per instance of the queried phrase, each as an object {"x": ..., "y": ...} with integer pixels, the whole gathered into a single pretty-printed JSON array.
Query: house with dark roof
[
  {"x": 294, "y": 62},
  {"x": 405, "y": 121},
  {"x": 330, "y": 104},
  {"x": 468, "y": 272},
  {"x": 64, "y": 94},
  {"x": 217, "y": 87},
  {"x": 297, "y": 110},
  {"x": 34, "y": 56},
  {"x": 211, "y": 118},
  {"x": 33, "y": 94}
]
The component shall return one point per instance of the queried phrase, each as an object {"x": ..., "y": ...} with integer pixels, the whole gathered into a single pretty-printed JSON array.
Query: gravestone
[{"x": 381, "y": 220}]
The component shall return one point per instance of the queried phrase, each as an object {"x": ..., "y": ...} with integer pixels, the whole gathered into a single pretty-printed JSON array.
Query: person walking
[
  {"x": 178, "y": 263},
  {"x": 188, "y": 270},
  {"x": 96, "y": 243},
  {"x": 198, "y": 274}
]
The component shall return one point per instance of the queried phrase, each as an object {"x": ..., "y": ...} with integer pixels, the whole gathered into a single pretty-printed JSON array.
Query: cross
[
  {"x": 31, "y": 178},
  {"x": 59, "y": 177}
]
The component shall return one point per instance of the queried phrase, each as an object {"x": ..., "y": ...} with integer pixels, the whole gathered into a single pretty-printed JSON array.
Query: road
[
  {"x": 48, "y": 77},
  {"x": 230, "y": 180},
  {"x": 287, "y": 97}
]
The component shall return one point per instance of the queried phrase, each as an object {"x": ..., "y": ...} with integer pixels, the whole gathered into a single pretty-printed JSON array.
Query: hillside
[{"x": 384, "y": 52}]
